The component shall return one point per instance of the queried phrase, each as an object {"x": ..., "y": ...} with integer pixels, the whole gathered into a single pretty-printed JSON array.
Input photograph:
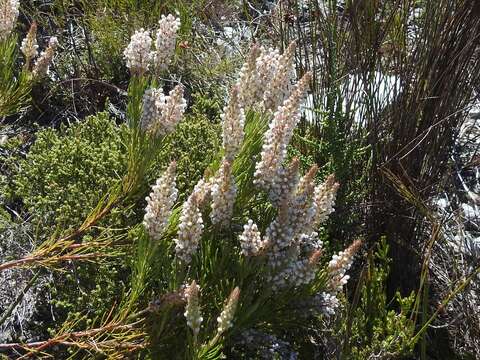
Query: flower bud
[
  {"x": 226, "y": 317},
  {"x": 192, "y": 308}
]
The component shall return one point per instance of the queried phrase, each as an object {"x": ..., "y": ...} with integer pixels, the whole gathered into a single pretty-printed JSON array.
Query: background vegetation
[{"x": 387, "y": 111}]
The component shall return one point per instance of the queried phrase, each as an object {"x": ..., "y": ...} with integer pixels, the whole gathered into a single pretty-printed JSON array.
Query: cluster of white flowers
[
  {"x": 160, "y": 113},
  {"x": 267, "y": 67},
  {"x": 42, "y": 64},
  {"x": 302, "y": 208},
  {"x": 160, "y": 203},
  {"x": 203, "y": 190},
  {"x": 248, "y": 83},
  {"x": 340, "y": 264},
  {"x": 266, "y": 77},
  {"x": 325, "y": 195},
  {"x": 285, "y": 183},
  {"x": 8, "y": 17},
  {"x": 165, "y": 41},
  {"x": 278, "y": 136},
  {"x": 256, "y": 74},
  {"x": 309, "y": 243},
  {"x": 290, "y": 242},
  {"x": 280, "y": 236},
  {"x": 294, "y": 247},
  {"x": 293, "y": 253},
  {"x": 190, "y": 229},
  {"x": 153, "y": 99},
  {"x": 292, "y": 235},
  {"x": 327, "y": 303},
  {"x": 29, "y": 44},
  {"x": 139, "y": 54},
  {"x": 298, "y": 272},
  {"x": 233, "y": 119},
  {"x": 226, "y": 317},
  {"x": 280, "y": 85},
  {"x": 250, "y": 240},
  {"x": 270, "y": 175},
  {"x": 172, "y": 110},
  {"x": 192, "y": 308},
  {"x": 223, "y": 192}
]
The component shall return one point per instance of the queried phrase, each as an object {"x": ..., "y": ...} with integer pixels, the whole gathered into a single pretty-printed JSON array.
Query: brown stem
[
  {"x": 69, "y": 338},
  {"x": 45, "y": 259},
  {"x": 16, "y": 263}
]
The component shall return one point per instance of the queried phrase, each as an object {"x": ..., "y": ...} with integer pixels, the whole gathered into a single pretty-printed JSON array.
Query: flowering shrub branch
[
  {"x": 15, "y": 86},
  {"x": 203, "y": 255}
]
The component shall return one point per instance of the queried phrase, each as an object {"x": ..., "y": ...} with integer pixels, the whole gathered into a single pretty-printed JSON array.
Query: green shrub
[
  {"x": 66, "y": 172},
  {"x": 85, "y": 292},
  {"x": 64, "y": 175}
]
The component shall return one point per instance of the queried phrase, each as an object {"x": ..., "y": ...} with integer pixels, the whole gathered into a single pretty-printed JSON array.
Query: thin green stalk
[
  {"x": 423, "y": 344},
  {"x": 445, "y": 302}
]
